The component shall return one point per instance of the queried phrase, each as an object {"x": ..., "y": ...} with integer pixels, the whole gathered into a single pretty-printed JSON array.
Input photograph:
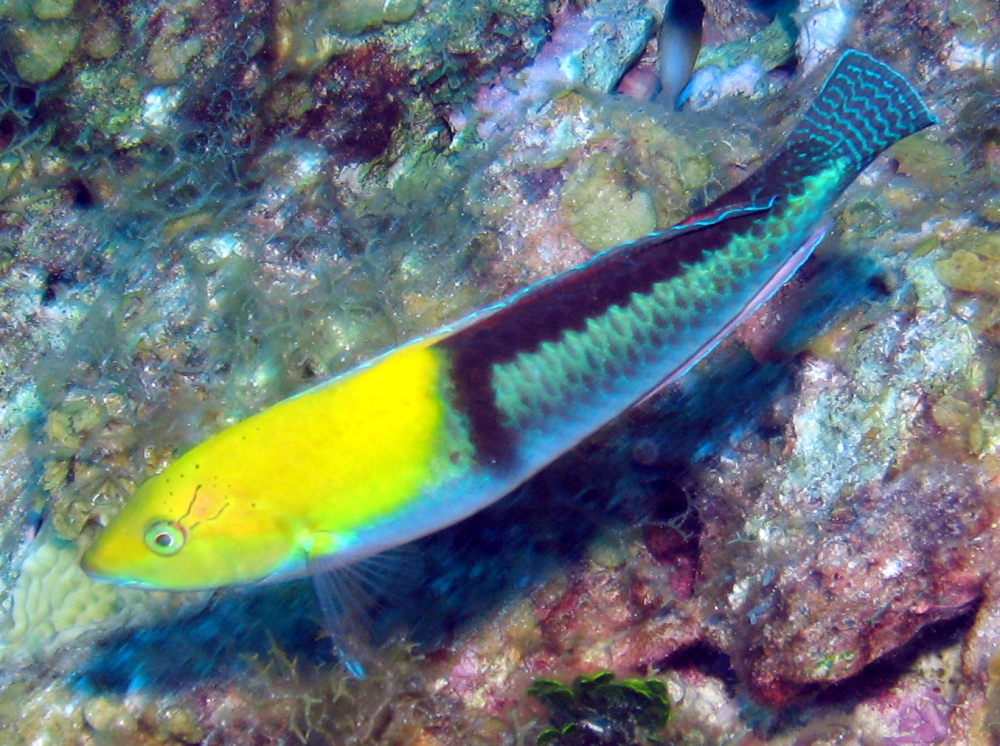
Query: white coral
[
  {"x": 823, "y": 25},
  {"x": 53, "y": 603}
]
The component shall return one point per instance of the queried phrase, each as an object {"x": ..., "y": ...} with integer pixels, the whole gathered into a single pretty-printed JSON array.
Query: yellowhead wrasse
[{"x": 438, "y": 428}]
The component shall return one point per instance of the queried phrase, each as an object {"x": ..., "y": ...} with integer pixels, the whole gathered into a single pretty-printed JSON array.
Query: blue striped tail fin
[{"x": 865, "y": 106}]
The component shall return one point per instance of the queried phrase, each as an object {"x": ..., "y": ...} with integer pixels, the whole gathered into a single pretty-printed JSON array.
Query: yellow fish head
[{"x": 186, "y": 532}]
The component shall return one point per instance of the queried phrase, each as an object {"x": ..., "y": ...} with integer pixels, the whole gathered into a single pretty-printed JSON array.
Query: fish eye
[{"x": 165, "y": 538}]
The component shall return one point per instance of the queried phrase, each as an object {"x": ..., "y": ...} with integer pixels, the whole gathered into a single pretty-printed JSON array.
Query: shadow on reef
[
  {"x": 468, "y": 571},
  {"x": 220, "y": 642},
  {"x": 877, "y": 678}
]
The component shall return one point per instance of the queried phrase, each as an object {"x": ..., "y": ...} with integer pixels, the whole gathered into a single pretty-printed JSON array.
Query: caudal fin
[{"x": 865, "y": 106}]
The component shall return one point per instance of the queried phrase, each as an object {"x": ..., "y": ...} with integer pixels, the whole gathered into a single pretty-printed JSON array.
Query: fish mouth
[
  {"x": 87, "y": 565},
  {"x": 91, "y": 565}
]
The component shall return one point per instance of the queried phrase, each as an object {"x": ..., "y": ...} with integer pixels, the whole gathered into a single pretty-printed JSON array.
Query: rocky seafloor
[{"x": 206, "y": 206}]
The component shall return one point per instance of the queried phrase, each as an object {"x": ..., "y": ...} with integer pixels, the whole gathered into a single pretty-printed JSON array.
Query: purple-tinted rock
[{"x": 895, "y": 558}]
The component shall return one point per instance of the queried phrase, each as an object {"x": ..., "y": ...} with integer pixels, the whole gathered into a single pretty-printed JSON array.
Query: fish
[
  {"x": 440, "y": 427},
  {"x": 678, "y": 44}
]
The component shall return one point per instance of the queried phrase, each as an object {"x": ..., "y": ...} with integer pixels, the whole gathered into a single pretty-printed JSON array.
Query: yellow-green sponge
[{"x": 53, "y": 603}]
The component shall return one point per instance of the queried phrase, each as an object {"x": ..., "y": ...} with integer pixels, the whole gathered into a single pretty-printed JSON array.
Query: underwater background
[{"x": 208, "y": 205}]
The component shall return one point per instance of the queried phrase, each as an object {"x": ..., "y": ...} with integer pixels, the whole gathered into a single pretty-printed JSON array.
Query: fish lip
[
  {"x": 87, "y": 567},
  {"x": 86, "y": 564},
  {"x": 129, "y": 584},
  {"x": 122, "y": 583}
]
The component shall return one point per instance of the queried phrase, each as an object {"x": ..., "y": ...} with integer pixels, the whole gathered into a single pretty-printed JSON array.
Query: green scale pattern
[{"x": 684, "y": 312}]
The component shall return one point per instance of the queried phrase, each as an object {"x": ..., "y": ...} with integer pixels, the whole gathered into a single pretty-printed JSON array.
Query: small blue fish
[{"x": 678, "y": 43}]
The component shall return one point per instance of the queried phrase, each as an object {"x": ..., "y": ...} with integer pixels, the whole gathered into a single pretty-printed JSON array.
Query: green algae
[
  {"x": 83, "y": 444},
  {"x": 601, "y": 209},
  {"x": 310, "y": 32},
  {"x": 12, "y": 167},
  {"x": 111, "y": 100},
  {"x": 863, "y": 219},
  {"x": 47, "y": 715},
  {"x": 772, "y": 46},
  {"x": 974, "y": 19},
  {"x": 628, "y": 174},
  {"x": 278, "y": 698},
  {"x": 352, "y": 17},
  {"x": 930, "y": 163},
  {"x": 990, "y": 209},
  {"x": 102, "y": 38},
  {"x": 289, "y": 99},
  {"x": 973, "y": 262},
  {"x": 44, "y": 48},
  {"x": 443, "y": 43},
  {"x": 169, "y": 57},
  {"x": 834, "y": 666},
  {"x": 109, "y": 719},
  {"x": 964, "y": 270},
  {"x": 598, "y": 709},
  {"x": 672, "y": 167},
  {"x": 971, "y": 421},
  {"x": 48, "y": 10}
]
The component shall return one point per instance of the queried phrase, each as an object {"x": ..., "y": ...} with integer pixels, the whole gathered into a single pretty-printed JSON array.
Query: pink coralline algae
[{"x": 920, "y": 721}]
